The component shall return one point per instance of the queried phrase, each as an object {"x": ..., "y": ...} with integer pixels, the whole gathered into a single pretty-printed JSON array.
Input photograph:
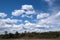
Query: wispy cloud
[{"x": 50, "y": 2}]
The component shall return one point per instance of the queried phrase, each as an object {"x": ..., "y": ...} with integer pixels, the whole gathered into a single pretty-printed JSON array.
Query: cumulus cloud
[
  {"x": 52, "y": 23},
  {"x": 30, "y": 12},
  {"x": 36, "y": 25},
  {"x": 28, "y": 16},
  {"x": 27, "y": 7},
  {"x": 11, "y": 28},
  {"x": 2, "y": 15},
  {"x": 42, "y": 15},
  {"x": 41, "y": 24},
  {"x": 18, "y": 12},
  {"x": 9, "y": 21},
  {"x": 43, "y": 21},
  {"x": 10, "y": 25},
  {"x": 25, "y": 10},
  {"x": 14, "y": 27},
  {"x": 28, "y": 24}
]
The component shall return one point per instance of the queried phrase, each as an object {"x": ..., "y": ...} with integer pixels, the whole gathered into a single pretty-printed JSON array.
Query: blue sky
[{"x": 29, "y": 15}]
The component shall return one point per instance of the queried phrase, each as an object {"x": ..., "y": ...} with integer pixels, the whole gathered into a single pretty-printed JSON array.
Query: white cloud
[
  {"x": 25, "y": 10},
  {"x": 27, "y": 7},
  {"x": 26, "y": 21},
  {"x": 28, "y": 16},
  {"x": 17, "y": 26},
  {"x": 41, "y": 24},
  {"x": 42, "y": 15},
  {"x": 49, "y": 22},
  {"x": 44, "y": 20},
  {"x": 11, "y": 28},
  {"x": 31, "y": 16},
  {"x": 2, "y": 15},
  {"x": 10, "y": 21},
  {"x": 28, "y": 24},
  {"x": 53, "y": 21},
  {"x": 18, "y": 12},
  {"x": 58, "y": 14},
  {"x": 5, "y": 25},
  {"x": 35, "y": 25},
  {"x": 30, "y": 12},
  {"x": 54, "y": 18},
  {"x": 23, "y": 15}
]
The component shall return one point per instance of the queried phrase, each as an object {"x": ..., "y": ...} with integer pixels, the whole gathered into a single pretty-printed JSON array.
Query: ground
[{"x": 29, "y": 39}]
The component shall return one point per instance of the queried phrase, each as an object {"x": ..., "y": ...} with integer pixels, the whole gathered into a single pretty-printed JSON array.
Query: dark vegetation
[{"x": 30, "y": 35}]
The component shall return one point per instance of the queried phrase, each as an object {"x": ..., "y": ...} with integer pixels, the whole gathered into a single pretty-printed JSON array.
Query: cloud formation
[
  {"x": 42, "y": 15},
  {"x": 25, "y": 10},
  {"x": 17, "y": 12},
  {"x": 27, "y": 7},
  {"x": 43, "y": 21},
  {"x": 2, "y": 15}
]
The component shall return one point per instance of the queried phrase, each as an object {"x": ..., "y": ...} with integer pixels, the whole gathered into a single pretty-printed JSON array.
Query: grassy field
[{"x": 29, "y": 39}]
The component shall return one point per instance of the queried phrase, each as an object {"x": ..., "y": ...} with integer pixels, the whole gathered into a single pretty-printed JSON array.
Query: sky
[{"x": 29, "y": 15}]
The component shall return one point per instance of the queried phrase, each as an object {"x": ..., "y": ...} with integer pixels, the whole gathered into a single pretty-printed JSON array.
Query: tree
[
  {"x": 17, "y": 34},
  {"x": 6, "y": 32}
]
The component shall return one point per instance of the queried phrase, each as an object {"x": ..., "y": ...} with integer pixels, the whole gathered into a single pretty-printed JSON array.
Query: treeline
[{"x": 30, "y": 35}]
